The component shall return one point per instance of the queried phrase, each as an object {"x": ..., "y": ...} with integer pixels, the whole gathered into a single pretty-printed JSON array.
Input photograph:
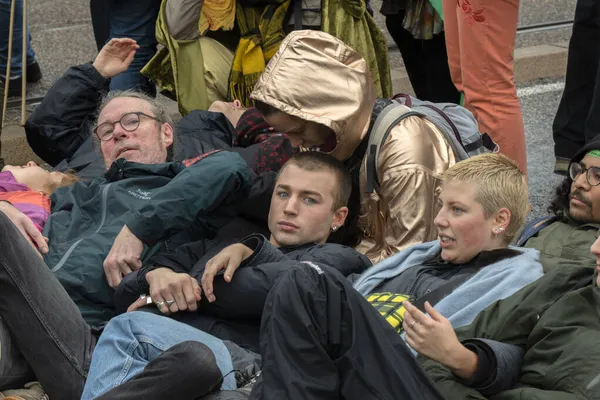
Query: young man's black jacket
[{"x": 236, "y": 313}]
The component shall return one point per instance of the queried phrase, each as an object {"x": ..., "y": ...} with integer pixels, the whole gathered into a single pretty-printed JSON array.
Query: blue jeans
[
  {"x": 135, "y": 20},
  {"x": 16, "y": 67},
  {"x": 132, "y": 340}
]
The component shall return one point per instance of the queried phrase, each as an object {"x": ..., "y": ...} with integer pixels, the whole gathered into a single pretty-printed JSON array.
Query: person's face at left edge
[{"x": 595, "y": 249}]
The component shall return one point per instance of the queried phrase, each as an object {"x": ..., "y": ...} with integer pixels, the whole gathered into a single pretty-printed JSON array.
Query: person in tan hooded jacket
[{"x": 319, "y": 92}]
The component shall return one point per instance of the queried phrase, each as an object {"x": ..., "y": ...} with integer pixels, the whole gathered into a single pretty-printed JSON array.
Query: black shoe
[
  {"x": 34, "y": 73},
  {"x": 14, "y": 87}
]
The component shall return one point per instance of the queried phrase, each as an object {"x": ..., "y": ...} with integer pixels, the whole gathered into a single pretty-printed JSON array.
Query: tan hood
[{"x": 316, "y": 77}]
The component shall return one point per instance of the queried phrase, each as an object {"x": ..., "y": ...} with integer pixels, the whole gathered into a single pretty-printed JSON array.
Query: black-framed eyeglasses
[
  {"x": 592, "y": 174},
  {"x": 130, "y": 122}
]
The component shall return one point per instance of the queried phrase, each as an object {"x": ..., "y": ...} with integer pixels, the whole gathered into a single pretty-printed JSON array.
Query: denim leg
[
  {"x": 44, "y": 323},
  {"x": 187, "y": 370},
  {"x": 135, "y": 20},
  {"x": 17, "y": 51},
  {"x": 131, "y": 341}
]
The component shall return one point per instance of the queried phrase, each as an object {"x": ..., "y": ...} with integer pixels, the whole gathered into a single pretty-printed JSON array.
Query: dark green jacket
[
  {"x": 565, "y": 244},
  {"x": 557, "y": 321},
  {"x": 164, "y": 205}
]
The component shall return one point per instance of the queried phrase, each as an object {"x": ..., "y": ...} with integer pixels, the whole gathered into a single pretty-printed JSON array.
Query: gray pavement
[{"x": 538, "y": 114}]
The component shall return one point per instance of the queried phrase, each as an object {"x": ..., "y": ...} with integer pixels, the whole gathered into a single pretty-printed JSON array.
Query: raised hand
[{"x": 115, "y": 57}]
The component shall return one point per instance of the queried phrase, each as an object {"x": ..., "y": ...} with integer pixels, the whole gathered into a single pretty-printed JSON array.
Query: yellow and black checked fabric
[{"x": 390, "y": 307}]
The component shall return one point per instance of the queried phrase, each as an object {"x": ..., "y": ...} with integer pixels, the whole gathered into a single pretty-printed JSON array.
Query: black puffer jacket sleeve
[
  {"x": 62, "y": 123},
  {"x": 244, "y": 297},
  {"x": 184, "y": 259}
]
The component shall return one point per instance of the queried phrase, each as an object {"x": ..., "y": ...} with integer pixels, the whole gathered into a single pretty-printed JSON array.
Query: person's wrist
[
  {"x": 4, "y": 204},
  {"x": 101, "y": 70},
  {"x": 247, "y": 251},
  {"x": 151, "y": 274},
  {"x": 462, "y": 361}
]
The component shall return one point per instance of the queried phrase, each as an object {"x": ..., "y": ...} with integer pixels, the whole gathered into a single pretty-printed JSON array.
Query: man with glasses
[
  {"x": 564, "y": 238},
  {"x": 57, "y": 292}
]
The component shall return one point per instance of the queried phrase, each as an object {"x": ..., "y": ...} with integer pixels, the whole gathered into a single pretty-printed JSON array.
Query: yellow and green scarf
[{"x": 262, "y": 33}]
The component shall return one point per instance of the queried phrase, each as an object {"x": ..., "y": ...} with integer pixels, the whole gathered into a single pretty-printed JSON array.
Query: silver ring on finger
[
  {"x": 413, "y": 323},
  {"x": 169, "y": 302},
  {"x": 159, "y": 304}
]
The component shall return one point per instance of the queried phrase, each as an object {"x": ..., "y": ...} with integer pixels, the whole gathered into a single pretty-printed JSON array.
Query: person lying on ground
[
  {"x": 99, "y": 231},
  {"x": 29, "y": 187},
  {"x": 564, "y": 237},
  {"x": 484, "y": 201},
  {"x": 309, "y": 203}
]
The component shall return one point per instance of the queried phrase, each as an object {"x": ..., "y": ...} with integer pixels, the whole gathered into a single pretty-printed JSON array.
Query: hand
[
  {"x": 434, "y": 337},
  {"x": 143, "y": 300},
  {"x": 123, "y": 258},
  {"x": 229, "y": 259},
  {"x": 25, "y": 226},
  {"x": 115, "y": 57},
  {"x": 166, "y": 286}
]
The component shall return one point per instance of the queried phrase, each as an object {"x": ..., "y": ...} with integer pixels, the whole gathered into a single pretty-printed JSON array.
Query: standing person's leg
[
  {"x": 592, "y": 123},
  {"x": 426, "y": 63},
  {"x": 320, "y": 339},
  {"x": 44, "y": 323},
  {"x": 411, "y": 52},
  {"x": 100, "y": 12},
  {"x": 487, "y": 32},
  {"x": 440, "y": 88},
  {"x": 451, "y": 35},
  {"x": 135, "y": 20},
  {"x": 16, "y": 67},
  {"x": 580, "y": 84},
  {"x": 185, "y": 371},
  {"x": 131, "y": 341}
]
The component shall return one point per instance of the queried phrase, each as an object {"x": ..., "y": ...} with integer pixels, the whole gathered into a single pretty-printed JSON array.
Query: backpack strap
[
  {"x": 389, "y": 117},
  {"x": 484, "y": 141},
  {"x": 439, "y": 293},
  {"x": 297, "y": 6},
  {"x": 532, "y": 228}
]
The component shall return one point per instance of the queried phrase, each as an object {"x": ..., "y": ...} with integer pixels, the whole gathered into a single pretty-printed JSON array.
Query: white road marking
[{"x": 539, "y": 89}]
